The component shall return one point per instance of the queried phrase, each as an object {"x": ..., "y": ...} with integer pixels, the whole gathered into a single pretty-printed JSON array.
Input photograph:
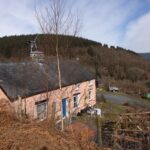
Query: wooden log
[
  {"x": 128, "y": 130},
  {"x": 130, "y": 114},
  {"x": 127, "y": 138}
]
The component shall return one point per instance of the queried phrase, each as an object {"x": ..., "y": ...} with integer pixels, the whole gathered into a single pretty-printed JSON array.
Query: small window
[
  {"x": 76, "y": 100},
  {"x": 90, "y": 95},
  {"x": 41, "y": 108}
]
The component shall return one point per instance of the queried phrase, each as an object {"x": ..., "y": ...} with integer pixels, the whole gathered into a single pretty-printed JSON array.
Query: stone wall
[{"x": 87, "y": 96}]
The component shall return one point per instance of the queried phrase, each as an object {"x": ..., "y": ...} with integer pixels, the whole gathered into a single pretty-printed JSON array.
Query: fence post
[{"x": 99, "y": 131}]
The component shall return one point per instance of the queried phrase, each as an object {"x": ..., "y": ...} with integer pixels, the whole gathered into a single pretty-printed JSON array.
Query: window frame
[
  {"x": 76, "y": 101},
  {"x": 38, "y": 104},
  {"x": 90, "y": 94}
]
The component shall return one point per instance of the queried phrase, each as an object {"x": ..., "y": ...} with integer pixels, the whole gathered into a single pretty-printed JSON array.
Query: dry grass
[{"x": 16, "y": 135}]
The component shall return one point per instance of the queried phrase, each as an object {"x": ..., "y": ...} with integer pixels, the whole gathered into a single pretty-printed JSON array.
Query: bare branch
[{"x": 57, "y": 19}]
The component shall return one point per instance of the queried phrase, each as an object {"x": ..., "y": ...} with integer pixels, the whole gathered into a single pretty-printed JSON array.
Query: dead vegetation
[
  {"x": 132, "y": 131},
  {"x": 25, "y": 135},
  {"x": 129, "y": 132}
]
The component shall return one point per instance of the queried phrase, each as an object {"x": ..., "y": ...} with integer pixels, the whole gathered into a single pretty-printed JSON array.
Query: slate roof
[{"x": 26, "y": 79}]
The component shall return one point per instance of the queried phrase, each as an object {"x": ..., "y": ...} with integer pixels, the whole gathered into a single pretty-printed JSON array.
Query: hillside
[
  {"x": 18, "y": 46},
  {"x": 146, "y": 55},
  {"x": 109, "y": 63}
]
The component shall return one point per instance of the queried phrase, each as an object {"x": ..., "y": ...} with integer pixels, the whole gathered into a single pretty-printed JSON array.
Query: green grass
[{"x": 110, "y": 112}]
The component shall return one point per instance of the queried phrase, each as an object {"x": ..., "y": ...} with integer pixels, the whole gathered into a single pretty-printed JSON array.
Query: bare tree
[{"x": 58, "y": 19}]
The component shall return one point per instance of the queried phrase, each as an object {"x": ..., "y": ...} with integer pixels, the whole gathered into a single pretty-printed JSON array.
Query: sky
[{"x": 124, "y": 23}]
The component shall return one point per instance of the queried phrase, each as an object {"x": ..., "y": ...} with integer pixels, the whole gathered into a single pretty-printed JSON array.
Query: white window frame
[{"x": 76, "y": 104}]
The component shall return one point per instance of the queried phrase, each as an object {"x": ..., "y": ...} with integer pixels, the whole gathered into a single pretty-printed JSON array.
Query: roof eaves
[
  {"x": 11, "y": 99},
  {"x": 50, "y": 89}
]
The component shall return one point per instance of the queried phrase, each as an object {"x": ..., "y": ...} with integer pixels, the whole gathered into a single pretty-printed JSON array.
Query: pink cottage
[{"x": 32, "y": 88}]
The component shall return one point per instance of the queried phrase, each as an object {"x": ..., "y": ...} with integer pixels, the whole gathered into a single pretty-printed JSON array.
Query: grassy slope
[{"x": 16, "y": 134}]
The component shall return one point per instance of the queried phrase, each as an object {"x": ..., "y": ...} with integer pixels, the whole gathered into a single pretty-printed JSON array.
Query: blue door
[{"x": 64, "y": 103}]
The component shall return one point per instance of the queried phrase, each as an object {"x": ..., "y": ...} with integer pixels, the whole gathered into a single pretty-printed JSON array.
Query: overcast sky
[{"x": 125, "y": 23}]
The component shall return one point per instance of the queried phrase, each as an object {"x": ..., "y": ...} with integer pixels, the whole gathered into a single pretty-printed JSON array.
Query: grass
[{"x": 110, "y": 112}]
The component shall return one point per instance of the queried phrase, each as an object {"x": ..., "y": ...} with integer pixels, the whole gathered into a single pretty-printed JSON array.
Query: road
[{"x": 122, "y": 98}]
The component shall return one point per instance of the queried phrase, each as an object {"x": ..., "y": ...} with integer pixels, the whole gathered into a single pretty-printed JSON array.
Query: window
[
  {"x": 90, "y": 95},
  {"x": 76, "y": 100},
  {"x": 41, "y": 108}
]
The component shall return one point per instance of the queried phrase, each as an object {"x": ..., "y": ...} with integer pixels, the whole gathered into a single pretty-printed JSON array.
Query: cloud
[
  {"x": 104, "y": 19},
  {"x": 17, "y": 17},
  {"x": 138, "y": 34},
  {"x": 114, "y": 22}
]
